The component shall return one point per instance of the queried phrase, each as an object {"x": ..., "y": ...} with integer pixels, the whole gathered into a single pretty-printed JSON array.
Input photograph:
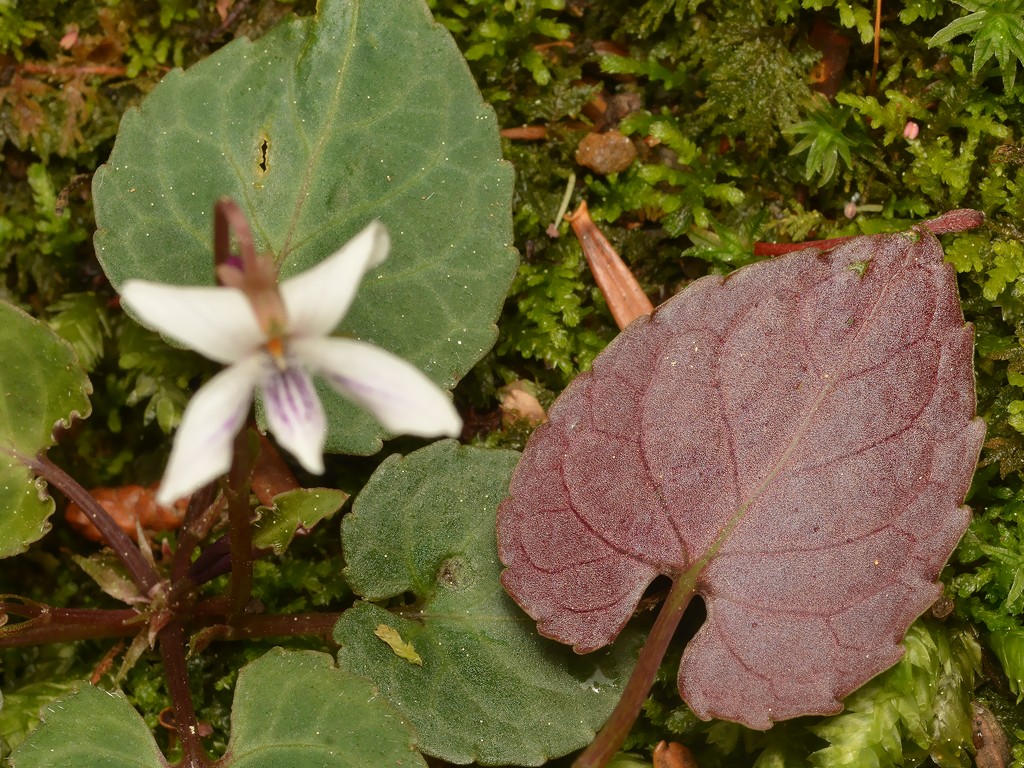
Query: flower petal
[
  {"x": 216, "y": 322},
  {"x": 318, "y": 298},
  {"x": 295, "y": 416},
  {"x": 203, "y": 446},
  {"x": 397, "y": 393}
]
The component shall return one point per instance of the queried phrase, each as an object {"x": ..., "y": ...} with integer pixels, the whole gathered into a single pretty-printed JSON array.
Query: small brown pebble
[
  {"x": 622, "y": 105},
  {"x": 608, "y": 47},
  {"x": 605, "y": 153}
]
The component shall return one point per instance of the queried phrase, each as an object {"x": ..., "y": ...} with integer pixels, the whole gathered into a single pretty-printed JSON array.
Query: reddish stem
[
  {"x": 142, "y": 573},
  {"x": 193, "y": 529},
  {"x": 259, "y": 281},
  {"x": 240, "y": 524},
  {"x": 958, "y": 220},
  {"x": 285, "y": 625},
  {"x": 227, "y": 216},
  {"x": 609, "y": 739},
  {"x": 46, "y": 624},
  {"x": 278, "y": 625},
  {"x": 172, "y": 651}
]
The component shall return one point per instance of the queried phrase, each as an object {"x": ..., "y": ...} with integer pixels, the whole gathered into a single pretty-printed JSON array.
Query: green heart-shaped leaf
[
  {"x": 486, "y": 688},
  {"x": 43, "y": 387},
  {"x": 91, "y": 728},
  {"x": 293, "y": 709},
  {"x": 367, "y": 111},
  {"x": 296, "y": 709}
]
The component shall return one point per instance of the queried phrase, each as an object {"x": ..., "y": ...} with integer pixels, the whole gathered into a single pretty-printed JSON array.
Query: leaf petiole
[
  {"x": 143, "y": 574},
  {"x": 611, "y": 736}
]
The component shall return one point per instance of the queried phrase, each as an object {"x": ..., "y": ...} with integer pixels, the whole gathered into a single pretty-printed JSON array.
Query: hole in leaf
[
  {"x": 407, "y": 605},
  {"x": 264, "y": 151}
]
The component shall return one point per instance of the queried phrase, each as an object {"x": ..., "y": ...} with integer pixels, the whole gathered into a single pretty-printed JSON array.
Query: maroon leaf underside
[{"x": 806, "y": 427}]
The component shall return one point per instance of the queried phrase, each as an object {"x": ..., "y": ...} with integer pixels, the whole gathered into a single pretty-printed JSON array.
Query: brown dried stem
[{"x": 71, "y": 71}]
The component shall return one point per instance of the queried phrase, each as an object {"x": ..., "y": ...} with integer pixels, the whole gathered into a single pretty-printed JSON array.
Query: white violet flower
[{"x": 275, "y": 337}]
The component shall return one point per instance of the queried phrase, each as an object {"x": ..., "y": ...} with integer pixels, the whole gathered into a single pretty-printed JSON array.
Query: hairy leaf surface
[
  {"x": 486, "y": 688},
  {"x": 90, "y": 729},
  {"x": 44, "y": 388},
  {"x": 291, "y": 708},
  {"x": 296, "y": 709},
  {"x": 795, "y": 440}
]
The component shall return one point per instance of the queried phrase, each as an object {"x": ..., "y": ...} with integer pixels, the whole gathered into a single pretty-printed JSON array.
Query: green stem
[{"x": 609, "y": 740}]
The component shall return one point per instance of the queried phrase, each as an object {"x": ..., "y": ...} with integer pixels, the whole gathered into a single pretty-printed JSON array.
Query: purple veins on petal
[
  {"x": 356, "y": 387},
  {"x": 229, "y": 427},
  {"x": 295, "y": 416},
  {"x": 287, "y": 395},
  {"x": 399, "y": 395}
]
